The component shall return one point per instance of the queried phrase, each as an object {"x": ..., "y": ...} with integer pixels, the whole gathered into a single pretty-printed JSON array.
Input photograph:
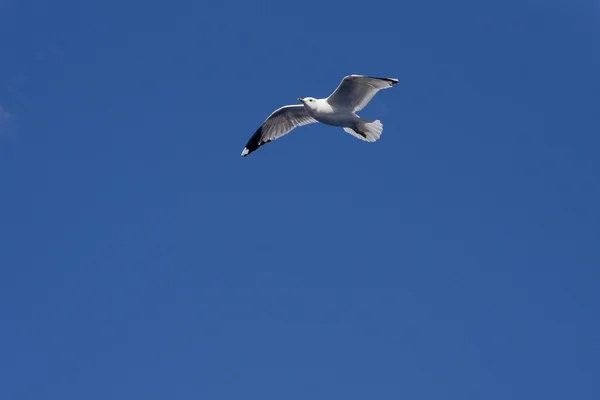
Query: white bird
[{"x": 339, "y": 109}]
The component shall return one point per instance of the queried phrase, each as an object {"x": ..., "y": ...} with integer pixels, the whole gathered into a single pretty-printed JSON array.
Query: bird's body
[
  {"x": 326, "y": 114},
  {"x": 339, "y": 109}
]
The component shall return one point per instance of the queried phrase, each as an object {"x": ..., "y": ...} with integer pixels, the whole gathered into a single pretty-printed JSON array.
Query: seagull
[{"x": 339, "y": 109}]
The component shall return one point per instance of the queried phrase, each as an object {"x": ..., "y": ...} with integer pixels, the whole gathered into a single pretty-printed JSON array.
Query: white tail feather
[{"x": 371, "y": 130}]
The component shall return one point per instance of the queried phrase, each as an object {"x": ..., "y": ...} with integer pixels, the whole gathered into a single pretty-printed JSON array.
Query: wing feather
[
  {"x": 279, "y": 123},
  {"x": 355, "y": 91}
]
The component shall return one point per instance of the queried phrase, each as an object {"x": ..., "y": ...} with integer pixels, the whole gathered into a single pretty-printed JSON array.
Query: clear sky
[{"x": 142, "y": 258}]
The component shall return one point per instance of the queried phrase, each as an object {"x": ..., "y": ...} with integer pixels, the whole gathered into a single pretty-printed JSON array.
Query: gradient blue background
[{"x": 142, "y": 258}]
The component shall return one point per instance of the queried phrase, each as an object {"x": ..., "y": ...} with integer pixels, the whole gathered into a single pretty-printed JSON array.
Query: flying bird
[{"x": 339, "y": 109}]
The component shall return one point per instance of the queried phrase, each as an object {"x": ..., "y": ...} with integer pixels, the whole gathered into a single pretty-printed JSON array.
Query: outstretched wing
[
  {"x": 355, "y": 91},
  {"x": 280, "y": 122}
]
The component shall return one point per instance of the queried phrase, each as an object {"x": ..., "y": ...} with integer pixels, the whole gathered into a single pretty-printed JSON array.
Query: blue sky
[{"x": 142, "y": 257}]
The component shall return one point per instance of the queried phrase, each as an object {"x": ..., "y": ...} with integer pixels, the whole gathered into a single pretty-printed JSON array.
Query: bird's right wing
[
  {"x": 280, "y": 122},
  {"x": 355, "y": 91}
]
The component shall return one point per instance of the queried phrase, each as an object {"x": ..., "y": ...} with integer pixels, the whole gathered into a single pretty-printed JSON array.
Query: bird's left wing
[
  {"x": 355, "y": 91},
  {"x": 280, "y": 122}
]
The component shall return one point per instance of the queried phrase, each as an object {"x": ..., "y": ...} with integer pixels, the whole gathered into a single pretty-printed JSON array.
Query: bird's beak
[{"x": 300, "y": 99}]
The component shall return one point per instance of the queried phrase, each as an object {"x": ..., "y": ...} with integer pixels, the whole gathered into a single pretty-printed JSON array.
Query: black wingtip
[
  {"x": 391, "y": 81},
  {"x": 254, "y": 143}
]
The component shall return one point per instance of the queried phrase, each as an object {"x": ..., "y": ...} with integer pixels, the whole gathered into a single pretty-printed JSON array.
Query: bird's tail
[{"x": 369, "y": 131}]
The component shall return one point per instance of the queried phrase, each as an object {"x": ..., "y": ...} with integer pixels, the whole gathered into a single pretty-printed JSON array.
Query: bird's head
[{"x": 309, "y": 102}]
